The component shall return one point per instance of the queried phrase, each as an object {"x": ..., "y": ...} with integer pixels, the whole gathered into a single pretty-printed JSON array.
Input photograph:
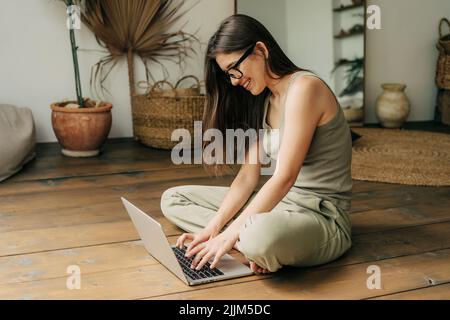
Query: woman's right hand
[{"x": 204, "y": 235}]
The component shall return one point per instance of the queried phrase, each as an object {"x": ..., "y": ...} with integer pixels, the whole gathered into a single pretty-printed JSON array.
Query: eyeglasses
[{"x": 233, "y": 72}]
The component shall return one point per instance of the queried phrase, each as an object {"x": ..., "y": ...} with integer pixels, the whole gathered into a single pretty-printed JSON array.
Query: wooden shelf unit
[{"x": 344, "y": 8}]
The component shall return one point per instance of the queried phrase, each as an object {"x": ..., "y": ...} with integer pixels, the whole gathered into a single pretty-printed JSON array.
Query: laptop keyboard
[{"x": 185, "y": 262}]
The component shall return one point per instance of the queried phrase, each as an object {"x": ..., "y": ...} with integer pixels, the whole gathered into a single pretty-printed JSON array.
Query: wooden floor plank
[
  {"x": 392, "y": 243},
  {"x": 434, "y": 292},
  {"x": 118, "y": 155},
  {"x": 54, "y": 263},
  {"x": 119, "y": 256},
  {"x": 397, "y": 198},
  {"x": 128, "y": 283},
  {"x": 399, "y": 217},
  {"x": 181, "y": 173},
  {"x": 349, "y": 282},
  {"x": 10, "y": 188},
  {"x": 88, "y": 195},
  {"x": 29, "y": 241},
  {"x": 154, "y": 281},
  {"x": 42, "y": 203},
  {"x": 363, "y": 222},
  {"x": 93, "y": 259},
  {"x": 89, "y": 200},
  {"x": 96, "y": 227}
]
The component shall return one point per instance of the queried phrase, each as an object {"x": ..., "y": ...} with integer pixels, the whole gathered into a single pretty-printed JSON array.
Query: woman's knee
[
  {"x": 169, "y": 199},
  {"x": 272, "y": 240},
  {"x": 258, "y": 241}
]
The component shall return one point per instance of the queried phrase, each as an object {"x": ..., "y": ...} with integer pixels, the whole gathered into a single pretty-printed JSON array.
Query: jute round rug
[{"x": 401, "y": 156}]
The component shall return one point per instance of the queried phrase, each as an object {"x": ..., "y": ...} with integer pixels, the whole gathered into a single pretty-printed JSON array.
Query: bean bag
[{"x": 17, "y": 139}]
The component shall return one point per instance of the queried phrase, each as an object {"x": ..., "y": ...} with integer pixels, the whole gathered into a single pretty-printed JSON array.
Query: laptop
[{"x": 173, "y": 258}]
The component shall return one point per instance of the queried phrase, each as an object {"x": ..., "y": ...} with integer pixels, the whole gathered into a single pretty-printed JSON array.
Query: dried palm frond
[{"x": 136, "y": 27}]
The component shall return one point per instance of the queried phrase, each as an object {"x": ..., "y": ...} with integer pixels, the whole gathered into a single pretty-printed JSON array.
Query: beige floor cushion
[{"x": 17, "y": 139}]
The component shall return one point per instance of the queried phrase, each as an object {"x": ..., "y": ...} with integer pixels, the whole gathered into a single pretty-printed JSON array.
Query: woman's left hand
[{"x": 215, "y": 247}]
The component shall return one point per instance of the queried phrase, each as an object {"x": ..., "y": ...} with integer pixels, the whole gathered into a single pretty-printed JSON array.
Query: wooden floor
[{"x": 61, "y": 211}]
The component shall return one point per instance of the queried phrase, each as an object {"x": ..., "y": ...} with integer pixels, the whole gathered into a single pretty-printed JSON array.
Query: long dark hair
[{"x": 232, "y": 107}]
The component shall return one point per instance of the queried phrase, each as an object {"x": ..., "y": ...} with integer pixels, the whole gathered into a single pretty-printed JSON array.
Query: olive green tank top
[{"x": 326, "y": 170}]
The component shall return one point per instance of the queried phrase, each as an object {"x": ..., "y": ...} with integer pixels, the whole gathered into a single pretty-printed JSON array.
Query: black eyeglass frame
[{"x": 235, "y": 66}]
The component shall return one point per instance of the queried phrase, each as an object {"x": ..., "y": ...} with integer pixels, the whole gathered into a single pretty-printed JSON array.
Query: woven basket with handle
[
  {"x": 157, "y": 113},
  {"x": 443, "y": 63}
]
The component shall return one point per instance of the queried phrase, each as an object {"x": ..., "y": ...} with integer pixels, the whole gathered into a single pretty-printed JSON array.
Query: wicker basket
[
  {"x": 443, "y": 63},
  {"x": 159, "y": 112},
  {"x": 444, "y": 41},
  {"x": 442, "y": 111}
]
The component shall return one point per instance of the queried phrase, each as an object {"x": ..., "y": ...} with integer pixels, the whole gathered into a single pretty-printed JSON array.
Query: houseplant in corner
[
  {"x": 351, "y": 98},
  {"x": 80, "y": 126}
]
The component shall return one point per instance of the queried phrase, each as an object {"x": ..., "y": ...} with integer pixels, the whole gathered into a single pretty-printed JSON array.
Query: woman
[{"x": 300, "y": 215}]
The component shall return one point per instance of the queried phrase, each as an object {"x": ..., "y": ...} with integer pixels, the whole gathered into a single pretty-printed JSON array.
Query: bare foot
[
  {"x": 252, "y": 265},
  {"x": 257, "y": 269}
]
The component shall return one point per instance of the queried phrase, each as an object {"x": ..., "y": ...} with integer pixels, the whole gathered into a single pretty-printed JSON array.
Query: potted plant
[
  {"x": 80, "y": 126},
  {"x": 353, "y": 76},
  {"x": 351, "y": 98}
]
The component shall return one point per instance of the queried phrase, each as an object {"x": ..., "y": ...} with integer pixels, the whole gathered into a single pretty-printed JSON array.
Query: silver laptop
[{"x": 173, "y": 258}]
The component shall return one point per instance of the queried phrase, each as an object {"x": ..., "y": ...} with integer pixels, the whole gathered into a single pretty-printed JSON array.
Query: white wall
[
  {"x": 36, "y": 64},
  {"x": 273, "y": 20},
  {"x": 310, "y": 44},
  {"x": 294, "y": 26},
  {"x": 404, "y": 51}
]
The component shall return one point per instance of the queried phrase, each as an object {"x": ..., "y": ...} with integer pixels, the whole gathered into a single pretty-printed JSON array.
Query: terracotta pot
[
  {"x": 81, "y": 131},
  {"x": 392, "y": 106}
]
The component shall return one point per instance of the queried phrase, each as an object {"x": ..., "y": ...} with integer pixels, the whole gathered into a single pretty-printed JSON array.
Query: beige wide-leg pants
[{"x": 301, "y": 230}]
